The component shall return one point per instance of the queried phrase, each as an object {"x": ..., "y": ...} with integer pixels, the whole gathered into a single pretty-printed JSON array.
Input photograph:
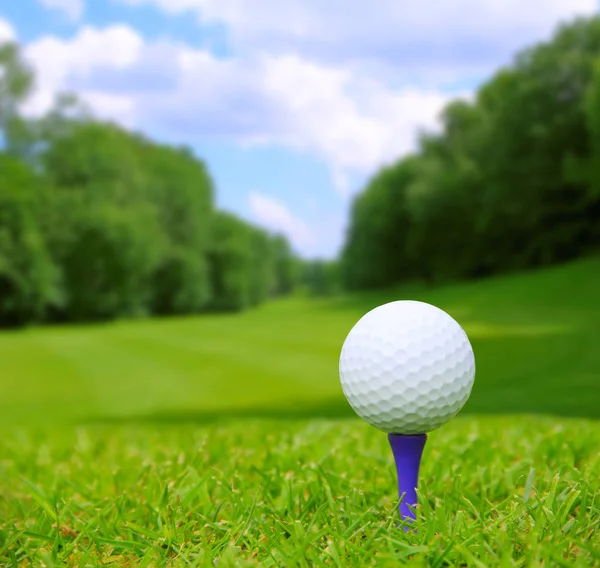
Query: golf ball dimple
[{"x": 407, "y": 367}]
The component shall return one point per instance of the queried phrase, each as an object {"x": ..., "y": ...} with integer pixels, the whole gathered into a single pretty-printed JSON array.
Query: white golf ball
[{"x": 407, "y": 367}]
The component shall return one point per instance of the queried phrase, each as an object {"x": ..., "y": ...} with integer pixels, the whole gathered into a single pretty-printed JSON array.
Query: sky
[{"x": 293, "y": 104}]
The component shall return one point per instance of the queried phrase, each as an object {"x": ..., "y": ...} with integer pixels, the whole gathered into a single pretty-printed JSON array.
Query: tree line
[
  {"x": 97, "y": 222},
  {"x": 512, "y": 181}
]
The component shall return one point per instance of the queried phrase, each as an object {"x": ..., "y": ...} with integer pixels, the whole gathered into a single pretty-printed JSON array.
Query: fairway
[
  {"x": 534, "y": 336},
  {"x": 185, "y": 441}
]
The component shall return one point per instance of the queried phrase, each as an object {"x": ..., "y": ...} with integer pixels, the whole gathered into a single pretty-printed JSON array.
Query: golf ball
[{"x": 407, "y": 367}]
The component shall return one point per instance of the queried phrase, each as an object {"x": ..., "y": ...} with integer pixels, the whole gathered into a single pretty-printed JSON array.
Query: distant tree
[
  {"x": 119, "y": 225},
  {"x": 507, "y": 184},
  {"x": 287, "y": 267},
  {"x": 108, "y": 262},
  {"x": 230, "y": 261},
  {"x": 261, "y": 274},
  {"x": 444, "y": 198},
  {"x": 28, "y": 278},
  {"x": 16, "y": 83},
  {"x": 321, "y": 277},
  {"x": 375, "y": 253},
  {"x": 586, "y": 170},
  {"x": 243, "y": 263},
  {"x": 533, "y": 215},
  {"x": 179, "y": 185},
  {"x": 102, "y": 228}
]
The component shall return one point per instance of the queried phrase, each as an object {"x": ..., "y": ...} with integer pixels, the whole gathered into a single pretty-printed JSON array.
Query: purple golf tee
[{"x": 407, "y": 451}]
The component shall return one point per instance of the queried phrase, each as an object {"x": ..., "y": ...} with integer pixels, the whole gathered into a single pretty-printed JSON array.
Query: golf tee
[{"x": 407, "y": 451}]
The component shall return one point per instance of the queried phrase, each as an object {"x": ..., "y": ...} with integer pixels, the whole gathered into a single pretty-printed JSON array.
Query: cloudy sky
[{"x": 293, "y": 104}]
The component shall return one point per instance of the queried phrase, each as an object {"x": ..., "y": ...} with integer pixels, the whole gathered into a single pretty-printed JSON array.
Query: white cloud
[
  {"x": 343, "y": 82},
  {"x": 352, "y": 122},
  {"x": 7, "y": 32},
  {"x": 296, "y": 82},
  {"x": 73, "y": 9},
  {"x": 275, "y": 216},
  {"x": 117, "y": 46},
  {"x": 445, "y": 38},
  {"x": 60, "y": 64}
]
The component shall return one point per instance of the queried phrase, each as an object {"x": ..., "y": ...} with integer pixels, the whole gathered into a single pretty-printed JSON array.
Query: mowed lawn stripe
[{"x": 138, "y": 367}]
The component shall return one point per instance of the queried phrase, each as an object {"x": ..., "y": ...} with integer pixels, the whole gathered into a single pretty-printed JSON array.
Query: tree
[
  {"x": 444, "y": 198},
  {"x": 28, "y": 278},
  {"x": 287, "y": 267},
  {"x": 507, "y": 184},
  {"x": 321, "y": 277},
  {"x": 101, "y": 228},
  {"x": 16, "y": 83},
  {"x": 182, "y": 190},
  {"x": 375, "y": 253},
  {"x": 242, "y": 264},
  {"x": 119, "y": 225},
  {"x": 586, "y": 170},
  {"x": 261, "y": 274},
  {"x": 230, "y": 260},
  {"x": 108, "y": 263},
  {"x": 533, "y": 214}
]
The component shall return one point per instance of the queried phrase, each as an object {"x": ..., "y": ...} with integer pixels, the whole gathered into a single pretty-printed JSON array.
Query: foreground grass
[{"x": 494, "y": 492}]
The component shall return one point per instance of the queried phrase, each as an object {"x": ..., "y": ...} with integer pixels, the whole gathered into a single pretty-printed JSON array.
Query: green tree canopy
[
  {"x": 507, "y": 184},
  {"x": 28, "y": 278}
]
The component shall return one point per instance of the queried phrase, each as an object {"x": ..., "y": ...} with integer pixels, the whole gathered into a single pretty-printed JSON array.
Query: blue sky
[{"x": 293, "y": 104}]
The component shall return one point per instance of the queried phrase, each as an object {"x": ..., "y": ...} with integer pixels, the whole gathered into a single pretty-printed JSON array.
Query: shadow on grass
[
  {"x": 539, "y": 369},
  {"x": 331, "y": 409},
  {"x": 508, "y": 402}
]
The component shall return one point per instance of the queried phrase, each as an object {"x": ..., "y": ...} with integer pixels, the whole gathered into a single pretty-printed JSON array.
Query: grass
[
  {"x": 534, "y": 335},
  {"x": 226, "y": 440},
  {"x": 494, "y": 492}
]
